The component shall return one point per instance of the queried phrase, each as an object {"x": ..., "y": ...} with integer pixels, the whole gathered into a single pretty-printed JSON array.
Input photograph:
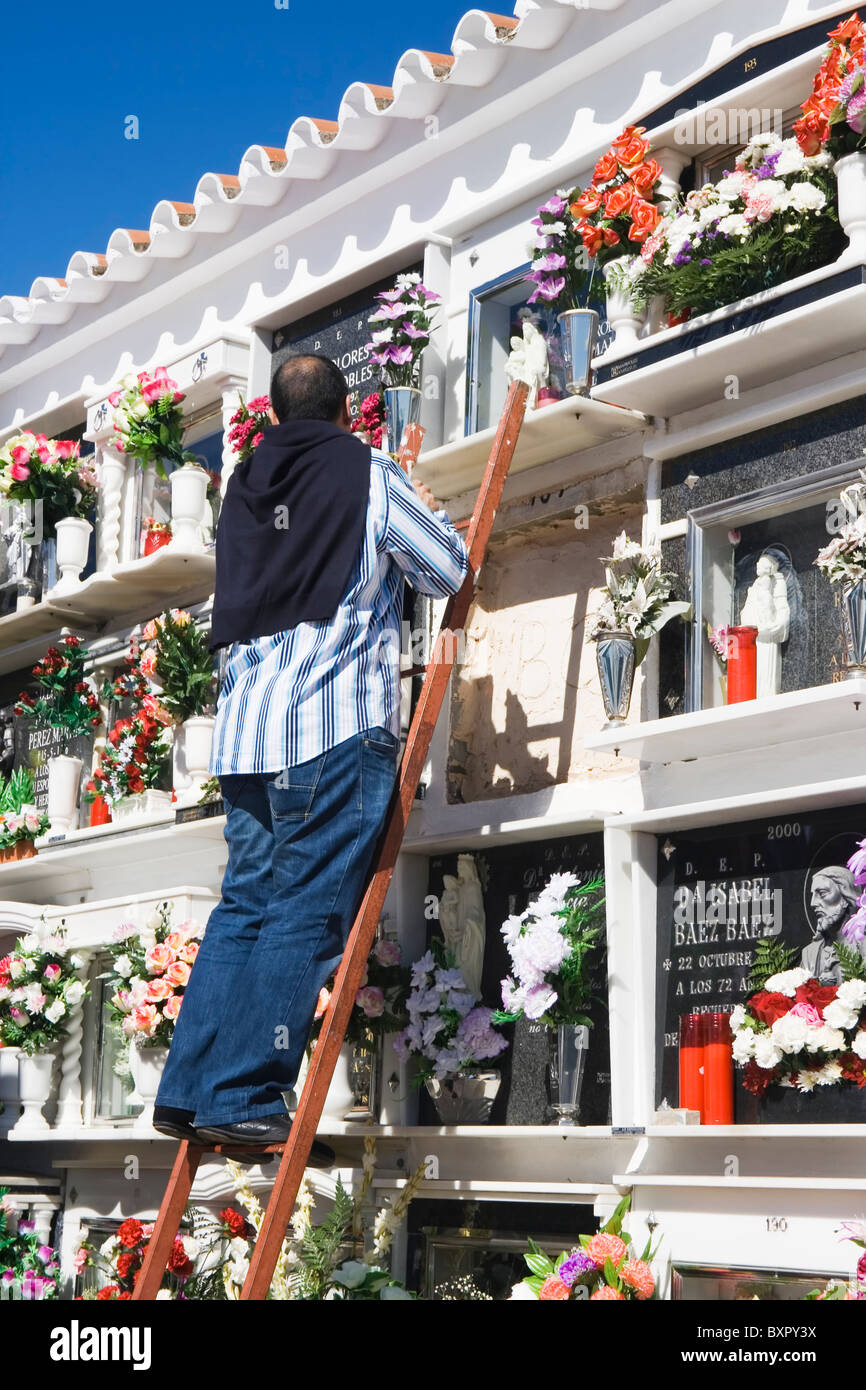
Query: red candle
[
  {"x": 742, "y": 655},
  {"x": 692, "y": 1062},
  {"x": 718, "y": 1071},
  {"x": 100, "y": 812},
  {"x": 155, "y": 540}
]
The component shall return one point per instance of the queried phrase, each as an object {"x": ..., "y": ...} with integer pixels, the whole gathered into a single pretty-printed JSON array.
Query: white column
[
  {"x": 437, "y": 277},
  {"x": 673, "y": 162},
  {"x": 630, "y": 895},
  {"x": 112, "y": 474},
  {"x": 69, "y": 1115}
]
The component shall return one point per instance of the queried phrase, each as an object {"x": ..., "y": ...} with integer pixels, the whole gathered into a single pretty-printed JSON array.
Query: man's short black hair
[{"x": 308, "y": 387}]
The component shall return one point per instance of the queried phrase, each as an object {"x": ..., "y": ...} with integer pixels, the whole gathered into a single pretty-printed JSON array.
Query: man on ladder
[{"x": 316, "y": 535}]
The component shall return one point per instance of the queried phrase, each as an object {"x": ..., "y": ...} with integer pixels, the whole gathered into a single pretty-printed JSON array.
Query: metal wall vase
[
  {"x": 615, "y": 654},
  {"x": 854, "y": 623}
]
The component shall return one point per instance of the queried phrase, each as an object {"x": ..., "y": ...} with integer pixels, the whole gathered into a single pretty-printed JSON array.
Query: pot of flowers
[
  {"x": 604, "y": 1267},
  {"x": 613, "y": 217},
  {"x": 563, "y": 283},
  {"x": 450, "y": 1035},
  {"x": 833, "y": 124},
  {"x": 135, "y": 759},
  {"x": 57, "y": 493},
  {"x": 148, "y": 423},
  {"x": 554, "y": 946},
  {"x": 21, "y": 822},
  {"x": 70, "y": 705},
  {"x": 156, "y": 535},
  {"x": 380, "y": 1009},
  {"x": 40, "y": 987},
  {"x": 769, "y": 219},
  {"x": 400, "y": 331},
  {"x": 175, "y": 652},
  {"x": 30, "y": 1268},
  {"x": 843, "y": 561},
  {"x": 637, "y": 604},
  {"x": 150, "y": 974}
]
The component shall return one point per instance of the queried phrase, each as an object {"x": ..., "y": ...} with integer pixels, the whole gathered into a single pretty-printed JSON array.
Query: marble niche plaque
[
  {"x": 720, "y": 890},
  {"x": 511, "y": 875}
]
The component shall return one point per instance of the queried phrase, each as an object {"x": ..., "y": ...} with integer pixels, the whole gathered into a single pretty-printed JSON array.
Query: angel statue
[
  {"x": 528, "y": 361},
  {"x": 462, "y": 919}
]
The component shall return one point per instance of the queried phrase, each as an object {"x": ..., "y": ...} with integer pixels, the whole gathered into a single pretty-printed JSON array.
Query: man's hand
[{"x": 425, "y": 495}]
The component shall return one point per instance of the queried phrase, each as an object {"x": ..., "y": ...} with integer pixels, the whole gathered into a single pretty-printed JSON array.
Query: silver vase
[
  {"x": 567, "y": 1064},
  {"x": 615, "y": 655},
  {"x": 854, "y": 624},
  {"x": 578, "y": 331},
  {"x": 464, "y": 1098},
  {"x": 402, "y": 408}
]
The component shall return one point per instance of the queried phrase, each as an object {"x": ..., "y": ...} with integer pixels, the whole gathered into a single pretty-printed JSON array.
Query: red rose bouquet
[
  {"x": 70, "y": 703},
  {"x": 135, "y": 756}
]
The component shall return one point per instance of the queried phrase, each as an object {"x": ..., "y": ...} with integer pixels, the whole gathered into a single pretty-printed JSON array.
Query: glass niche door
[{"x": 751, "y": 562}]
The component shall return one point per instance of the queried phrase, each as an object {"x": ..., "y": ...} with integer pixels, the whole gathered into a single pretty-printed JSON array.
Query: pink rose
[
  {"x": 145, "y": 1019},
  {"x": 178, "y": 973},
  {"x": 387, "y": 953},
  {"x": 20, "y": 472},
  {"x": 148, "y": 663},
  {"x": 159, "y": 958},
  {"x": 171, "y": 1009},
  {"x": 122, "y": 1000},
  {"x": 189, "y": 952},
  {"x": 176, "y": 940},
  {"x": 79, "y": 1260},
  {"x": 51, "y": 972},
  {"x": 371, "y": 1000},
  {"x": 65, "y": 448},
  {"x": 808, "y": 1013},
  {"x": 157, "y": 990},
  {"x": 137, "y": 993},
  {"x": 114, "y": 400}
]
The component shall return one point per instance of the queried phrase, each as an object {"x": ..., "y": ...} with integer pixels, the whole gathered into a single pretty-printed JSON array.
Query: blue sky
[{"x": 206, "y": 79}]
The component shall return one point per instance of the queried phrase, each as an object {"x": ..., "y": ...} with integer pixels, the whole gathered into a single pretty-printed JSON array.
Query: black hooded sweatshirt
[{"x": 290, "y": 530}]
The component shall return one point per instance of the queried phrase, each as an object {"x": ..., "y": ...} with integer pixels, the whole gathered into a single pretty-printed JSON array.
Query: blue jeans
[{"x": 301, "y": 843}]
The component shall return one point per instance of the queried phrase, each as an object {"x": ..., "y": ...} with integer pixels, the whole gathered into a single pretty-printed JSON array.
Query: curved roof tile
[{"x": 479, "y": 49}]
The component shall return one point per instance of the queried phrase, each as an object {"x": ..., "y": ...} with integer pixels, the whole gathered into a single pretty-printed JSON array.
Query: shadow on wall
[{"x": 528, "y": 686}]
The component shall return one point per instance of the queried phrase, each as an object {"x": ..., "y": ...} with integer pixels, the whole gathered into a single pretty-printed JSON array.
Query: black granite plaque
[
  {"x": 36, "y": 743},
  {"x": 511, "y": 875},
  {"x": 719, "y": 891},
  {"x": 340, "y": 332}
]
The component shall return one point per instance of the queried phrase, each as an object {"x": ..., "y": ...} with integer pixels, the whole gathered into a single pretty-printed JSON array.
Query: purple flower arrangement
[
  {"x": 552, "y": 945},
  {"x": 558, "y": 258},
  {"x": 448, "y": 1031},
  {"x": 28, "y": 1268},
  {"x": 400, "y": 330}
]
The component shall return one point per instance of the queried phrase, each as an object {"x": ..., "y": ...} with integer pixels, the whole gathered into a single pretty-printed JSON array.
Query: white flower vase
[
  {"x": 188, "y": 494},
  {"x": 35, "y": 1078},
  {"x": 140, "y": 806},
  {"x": 341, "y": 1097},
  {"x": 147, "y": 1065},
  {"x": 73, "y": 543},
  {"x": 64, "y": 779},
  {"x": 192, "y": 757},
  {"x": 851, "y": 187},
  {"x": 625, "y": 322}
]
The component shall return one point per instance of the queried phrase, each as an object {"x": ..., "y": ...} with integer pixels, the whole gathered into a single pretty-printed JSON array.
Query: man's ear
[
  {"x": 271, "y": 416},
  {"x": 345, "y": 420}
]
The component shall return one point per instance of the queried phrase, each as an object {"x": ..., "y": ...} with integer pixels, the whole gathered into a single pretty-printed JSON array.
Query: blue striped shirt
[{"x": 291, "y": 696}]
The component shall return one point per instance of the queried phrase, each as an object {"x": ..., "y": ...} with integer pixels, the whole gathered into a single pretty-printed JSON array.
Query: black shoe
[
  {"x": 272, "y": 1129},
  {"x": 177, "y": 1124}
]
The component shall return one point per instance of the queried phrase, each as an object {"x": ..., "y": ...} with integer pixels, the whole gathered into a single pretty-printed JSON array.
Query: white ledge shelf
[
  {"x": 553, "y": 432},
  {"x": 856, "y": 1132},
  {"x": 762, "y": 1184},
  {"x": 754, "y": 724},
  {"x": 816, "y": 317},
  {"x": 141, "y": 586}
]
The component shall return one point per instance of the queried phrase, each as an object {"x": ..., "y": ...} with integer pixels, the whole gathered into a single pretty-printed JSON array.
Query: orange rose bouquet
[
  {"x": 620, "y": 209},
  {"x": 834, "y": 115},
  {"x": 603, "y": 1268}
]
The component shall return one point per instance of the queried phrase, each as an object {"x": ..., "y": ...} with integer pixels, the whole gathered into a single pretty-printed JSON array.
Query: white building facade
[{"x": 748, "y": 419}]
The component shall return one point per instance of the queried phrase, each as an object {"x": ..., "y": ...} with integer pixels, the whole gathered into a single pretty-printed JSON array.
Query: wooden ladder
[{"x": 296, "y": 1150}]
